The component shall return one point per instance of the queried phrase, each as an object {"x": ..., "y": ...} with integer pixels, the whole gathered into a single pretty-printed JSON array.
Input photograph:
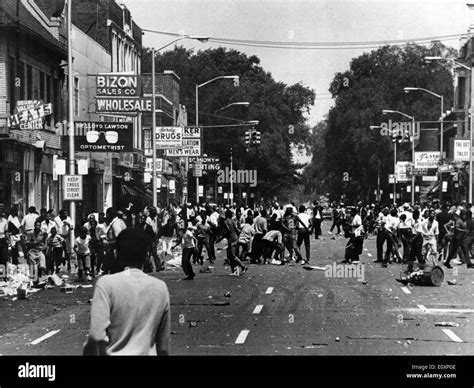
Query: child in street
[
  {"x": 56, "y": 246},
  {"x": 83, "y": 253}
]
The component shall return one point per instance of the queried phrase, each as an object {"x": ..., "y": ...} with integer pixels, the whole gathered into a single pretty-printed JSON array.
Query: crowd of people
[{"x": 258, "y": 235}]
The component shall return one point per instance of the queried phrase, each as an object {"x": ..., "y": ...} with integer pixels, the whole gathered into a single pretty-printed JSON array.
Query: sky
[{"x": 300, "y": 21}]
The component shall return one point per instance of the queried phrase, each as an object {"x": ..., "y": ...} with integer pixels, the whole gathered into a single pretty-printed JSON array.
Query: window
[
  {"x": 147, "y": 140},
  {"x": 11, "y": 83},
  {"x": 21, "y": 75},
  {"x": 29, "y": 82},
  {"x": 48, "y": 88},
  {"x": 461, "y": 92},
  {"x": 76, "y": 96},
  {"x": 42, "y": 92}
]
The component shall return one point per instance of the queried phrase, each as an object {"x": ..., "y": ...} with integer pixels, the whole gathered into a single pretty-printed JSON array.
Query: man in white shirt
[
  {"x": 304, "y": 226},
  {"x": 28, "y": 222},
  {"x": 64, "y": 226},
  {"x": 391, "y": 227},
  {"x": 48, "y": 223},
  {"x": 152, "y": 220},
  {"x": 130, "y": 312}
]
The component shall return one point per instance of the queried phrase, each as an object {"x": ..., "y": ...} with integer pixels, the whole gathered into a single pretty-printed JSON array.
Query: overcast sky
[{"x": 301, "y": 21}]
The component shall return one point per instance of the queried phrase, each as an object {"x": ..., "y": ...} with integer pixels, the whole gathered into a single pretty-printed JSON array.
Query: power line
[{"x": 318, "y": 45}]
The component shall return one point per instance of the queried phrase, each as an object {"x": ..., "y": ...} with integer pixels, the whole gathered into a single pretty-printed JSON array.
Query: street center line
[
  {"x": 258, "y": 309},
  {"x": 46, "y": 336},
  {"x": 269, "y": 290},
  {"x": 242, "y": 337},
  {"x": 422, "y": 308},
  {"x": 453, "y": 336},
  {"x": 406, "y": 290}
]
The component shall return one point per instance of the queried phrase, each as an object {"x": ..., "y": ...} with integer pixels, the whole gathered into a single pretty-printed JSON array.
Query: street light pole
[
  {"x": 395, "y": 171},
  {"x": 235, "y": 77},
  {"x": 202, "y": 39},
  {"x": 72, "y": 160},
  {"x": 470, "y": 137}
]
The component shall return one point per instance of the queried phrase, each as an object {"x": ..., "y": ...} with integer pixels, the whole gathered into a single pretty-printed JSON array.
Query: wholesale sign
[
  {"x": 103, "y": 136},
  {"x": 123, "y": 105},
  {"x": 426, "y": 160}
]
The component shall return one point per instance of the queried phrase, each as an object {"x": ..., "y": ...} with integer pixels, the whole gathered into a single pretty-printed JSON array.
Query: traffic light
[
  {"x": 247, "y": 137},
  {"x": 257, "y": 137}
]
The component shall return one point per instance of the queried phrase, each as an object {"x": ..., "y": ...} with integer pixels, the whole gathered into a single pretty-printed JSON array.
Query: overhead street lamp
[
  {"x": 441, "y": 119},
  {"x": 236, "y": 83},
  {"x": 387, "y": 111},
  {"x": 471, "y": 111},
  {"x": 243, "y": 103},
  {"x": 201, "y": 39}
]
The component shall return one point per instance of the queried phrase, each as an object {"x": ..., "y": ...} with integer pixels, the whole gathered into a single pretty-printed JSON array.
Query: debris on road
[
  {"x": 312, "y": 267},
  {"x": 364, "y": 282},
  {"x": 337, "y": 339},
  {"x": 220, "y": 304},
  {"x": 447, "y": 324},
  {"x": 227, "y": 294},
  {"x": 205, "y": 270},
  {"x": 452, "y": 282},
  {"x": 192, "y": 324}
]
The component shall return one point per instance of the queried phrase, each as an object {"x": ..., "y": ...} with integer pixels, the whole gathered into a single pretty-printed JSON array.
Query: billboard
[
  {"x": 461, "y": 150},
  {"x": 103, "y": 136},
  {"x": 427, "y": 160},
  {"x": 119, "y": 85},
  {"x": 123, "y": 105}
]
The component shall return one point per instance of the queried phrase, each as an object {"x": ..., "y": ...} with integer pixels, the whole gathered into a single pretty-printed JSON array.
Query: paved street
[{"x": 272, "y": 310}]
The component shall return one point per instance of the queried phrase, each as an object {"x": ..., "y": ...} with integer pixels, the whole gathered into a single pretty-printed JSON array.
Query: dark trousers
[
  {"x": 97, "y": 254},
  {"x": 335, "y": 223},
  {"x": 460, "y": 244},
  {"x": 317, "y": 227},
  {"x": 212, "y": 249},
  {"x": 257, "y": 247},
  {"x": 243, "y": 249},
  {"x": 354, "y": 248},
  {"x": 186, "y": 262},
  {"x": 3, "y": 251},
  {"x": 154, "y": 254},
  {"x": 303, "y": 236},
  {"x": 405, "y": 236},
  {"x": 416, "y": 251},
  {"x": 291, "y": 246},
  {"x": 381, "y": 238},
  {"x": 203, "y": 242},
  {"x": 232, "y": 255}
]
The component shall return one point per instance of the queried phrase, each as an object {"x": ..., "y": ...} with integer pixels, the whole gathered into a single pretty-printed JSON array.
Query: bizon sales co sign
[
  {"x": 119, "y": 85},
  {"x": 427, "y": 160}
]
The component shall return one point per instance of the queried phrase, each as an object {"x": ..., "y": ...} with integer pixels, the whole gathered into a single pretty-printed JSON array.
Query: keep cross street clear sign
[{"x": 72, "y": 187}]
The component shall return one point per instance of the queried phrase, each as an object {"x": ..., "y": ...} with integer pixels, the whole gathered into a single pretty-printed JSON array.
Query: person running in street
[
  {"x": 260, "y": 226},
  {"x": 290, "y": 235},
  {"x": 336, "y": 219},
  {"x": 246, "y": 234},
  {"x": 83, "y": 252},
  {"x": 303, "y": 225},
  {"x": 189, "y": 242},
  {"x": 232, "y": 235},
  {"x": 458, "y": 227},
  {"x": 130, "y": 312},
  {"x": 64, "y": 226},
  {"x": 55, "y": 253},
  {"x": 317, "y": 219}
]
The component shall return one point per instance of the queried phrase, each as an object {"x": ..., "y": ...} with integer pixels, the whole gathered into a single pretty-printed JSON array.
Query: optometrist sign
[{"x": 103, "y": 136}]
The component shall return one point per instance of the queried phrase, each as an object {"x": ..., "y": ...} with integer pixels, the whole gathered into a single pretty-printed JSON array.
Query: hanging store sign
[
  {"x": 119, "y": 85},
  {"x": 402, "y": 174},
  {"x": 72, "y": 187},
  {"x": 103, "y": 136},
  {"x": 123, "y": 105},
  {"x": 169, "y": 137},
  {"x": 427, "y": 160},
  {"x": 461, "y": 150},
  {"x": 191, "y": 145},
  {"x": 30, "y": 114},
  {"x": 209, "y": 164}
]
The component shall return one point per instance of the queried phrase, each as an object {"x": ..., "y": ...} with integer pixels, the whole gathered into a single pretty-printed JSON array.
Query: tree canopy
[
  {"x": 374, "y": 82},
  {"x": 274, "y": 104}
]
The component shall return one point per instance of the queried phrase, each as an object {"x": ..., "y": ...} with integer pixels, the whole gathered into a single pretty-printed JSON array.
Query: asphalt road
[{"x": 272, "y": 310}]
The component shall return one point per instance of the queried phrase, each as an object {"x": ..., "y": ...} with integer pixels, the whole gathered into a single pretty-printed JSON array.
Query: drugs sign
[{"x": 169, "y": 137}]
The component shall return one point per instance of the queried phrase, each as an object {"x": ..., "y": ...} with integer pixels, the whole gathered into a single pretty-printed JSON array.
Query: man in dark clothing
[
  {"x": 317, "y": 219},
  {"x": 232, "y": 236},
  {"x": 443, "y": 218}
]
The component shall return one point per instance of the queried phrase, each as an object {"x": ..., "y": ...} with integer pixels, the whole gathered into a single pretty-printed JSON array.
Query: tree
[
  {"x": 374, "y": 82},
  {"x": 274, "y": 104}
]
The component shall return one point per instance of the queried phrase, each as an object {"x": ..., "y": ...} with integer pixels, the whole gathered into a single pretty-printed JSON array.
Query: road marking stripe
[
  {"x": 242, "y": 337},
  {"x": 369, "y": 254},
  {"x": 453, "y": 336},
  {"x": 406, "y": 290},
  {"x": 269, "y": 290},
  {"x": 258, "y": 309},
  {"x": 422, "y": 308},
  {"x": 46, "y": 336}
]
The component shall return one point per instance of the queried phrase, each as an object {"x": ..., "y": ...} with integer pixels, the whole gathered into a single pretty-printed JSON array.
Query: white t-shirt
[
  {"x": 357, "y": 225},
  {"x": 82, "y": 245},
  {"x": 305, "y": 219}
]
